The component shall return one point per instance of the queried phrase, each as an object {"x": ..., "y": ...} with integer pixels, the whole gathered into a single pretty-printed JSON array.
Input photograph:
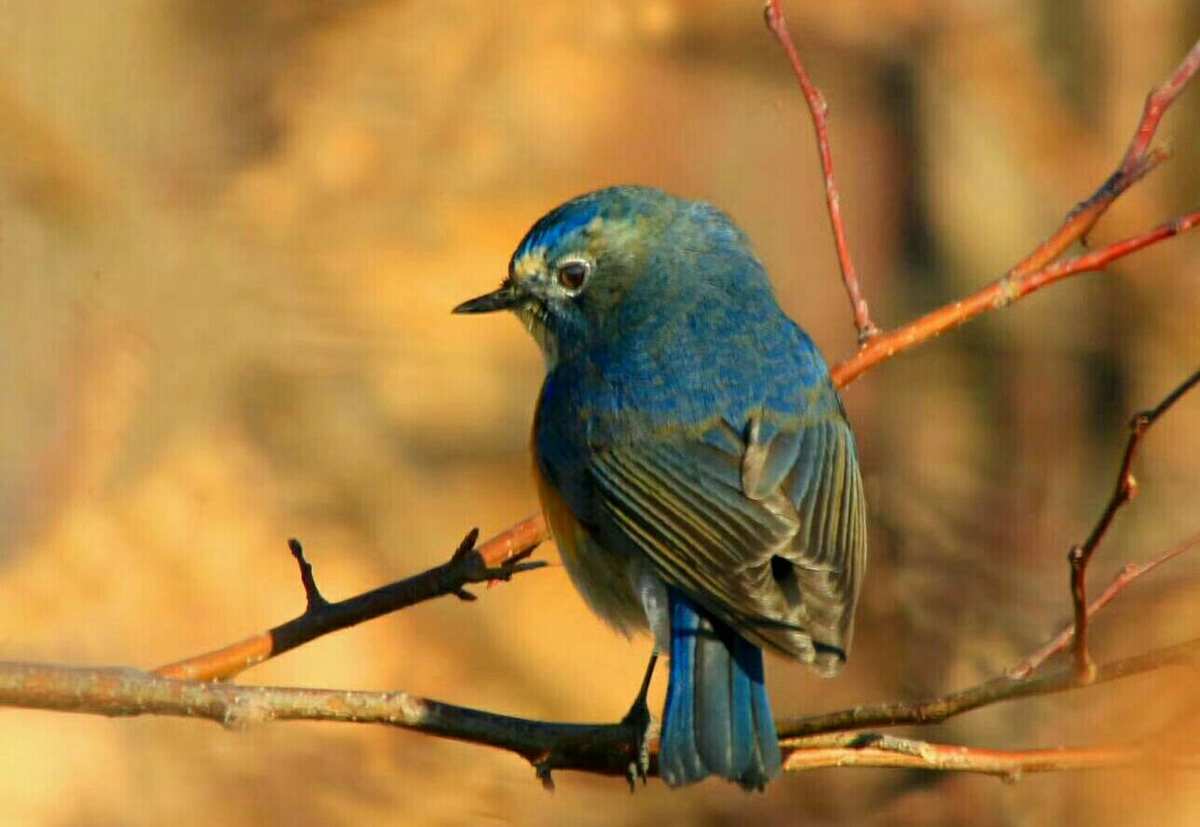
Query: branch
[
  {"x": 819, "y": 110},
  {"x": 115, "y": 692},
  {"x": 1011, "y": 765},
  {"x": 1037, "y": 270},
  {"x": 1009, "y": 288},
  {"x": 1128, "y": 573},
  {"x": 609, "y": 749},
  {"x": 498, "y": 559},
  {"x": 1124, "y": 491},
  {"x": 996, "y": 690}
]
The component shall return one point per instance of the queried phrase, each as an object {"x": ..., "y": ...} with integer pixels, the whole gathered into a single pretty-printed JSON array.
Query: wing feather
[{"x": 768, "y": 535}]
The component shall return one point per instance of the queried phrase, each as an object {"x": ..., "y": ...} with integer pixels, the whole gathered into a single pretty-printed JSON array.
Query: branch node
[
  {"x": 543, "y": 770},
  {"x": 312, "y": 595},
  {"x": 466, "y": 546}
]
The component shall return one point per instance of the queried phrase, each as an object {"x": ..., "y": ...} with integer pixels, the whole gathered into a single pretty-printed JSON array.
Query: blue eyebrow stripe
[{"x": 554, "y": 226}]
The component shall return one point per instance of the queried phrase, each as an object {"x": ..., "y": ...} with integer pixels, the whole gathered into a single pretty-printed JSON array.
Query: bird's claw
[{"x": 639, "y": 719}]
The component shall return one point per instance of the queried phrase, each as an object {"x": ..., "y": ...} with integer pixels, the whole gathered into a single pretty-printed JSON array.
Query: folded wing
[{"x": 763, "y": 525}]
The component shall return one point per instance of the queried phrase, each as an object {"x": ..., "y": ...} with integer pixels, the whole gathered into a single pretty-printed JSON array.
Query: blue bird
[{"x": 693, "y": 460}]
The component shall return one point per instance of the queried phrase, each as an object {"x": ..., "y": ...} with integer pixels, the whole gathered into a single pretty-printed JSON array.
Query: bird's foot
[{"x": 639, "y": 719}]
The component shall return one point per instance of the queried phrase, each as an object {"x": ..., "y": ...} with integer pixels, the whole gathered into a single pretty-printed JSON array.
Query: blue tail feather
[{"x": 717, "y": 719}]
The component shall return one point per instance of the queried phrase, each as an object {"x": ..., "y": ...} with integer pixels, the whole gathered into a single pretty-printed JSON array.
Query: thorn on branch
[{"x": 312, "y": 595}]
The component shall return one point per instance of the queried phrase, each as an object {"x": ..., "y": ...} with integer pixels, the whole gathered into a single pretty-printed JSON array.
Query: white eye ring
[{"x": 572, "y": 274}]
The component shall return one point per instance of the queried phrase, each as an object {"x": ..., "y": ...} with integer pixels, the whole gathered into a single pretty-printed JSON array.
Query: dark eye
[{"x": 572, "y": 274}]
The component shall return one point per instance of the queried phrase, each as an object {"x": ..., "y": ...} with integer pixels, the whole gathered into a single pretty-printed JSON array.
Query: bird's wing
[{"x": 765, "y": 530}]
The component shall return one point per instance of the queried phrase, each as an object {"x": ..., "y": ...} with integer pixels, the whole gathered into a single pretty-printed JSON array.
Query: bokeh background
[{"x": 230, "y": 237}]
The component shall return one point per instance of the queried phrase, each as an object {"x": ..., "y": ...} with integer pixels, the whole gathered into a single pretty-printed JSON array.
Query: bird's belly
[{"x": 605, "y": 579}]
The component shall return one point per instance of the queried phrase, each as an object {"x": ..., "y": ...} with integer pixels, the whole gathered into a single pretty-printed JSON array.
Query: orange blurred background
[{"x": 230, "y": 237}]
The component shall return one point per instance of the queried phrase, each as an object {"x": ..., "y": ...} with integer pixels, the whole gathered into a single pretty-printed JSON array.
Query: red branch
[
  {"x": 1000, "y": 293},
  {"x": 819, "y": 109},
  {"x": 1037, "y": 269}
]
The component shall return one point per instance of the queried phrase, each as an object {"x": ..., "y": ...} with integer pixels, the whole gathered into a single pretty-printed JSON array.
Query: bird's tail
[{"x": 717, "y": 719}]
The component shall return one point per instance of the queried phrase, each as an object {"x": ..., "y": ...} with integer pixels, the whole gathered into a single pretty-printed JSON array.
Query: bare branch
[
  {"x": 999, "y": 294},
  {"x": 468, "y": 565},
  {"x": 607, "y": 749},
  {"x": 819, "y": 110},
  {"x": 1123, "y": 492},
  {"x": 1128, "y": 573},
  {"x": 997, "y": 689},
  {"x": 1010, "y": 765},
  {"x": 600, "y": 748},
  {"x": 1037, "y": 270}
]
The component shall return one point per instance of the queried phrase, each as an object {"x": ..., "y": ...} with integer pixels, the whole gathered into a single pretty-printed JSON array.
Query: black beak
[{"x": 505, "y": 297}]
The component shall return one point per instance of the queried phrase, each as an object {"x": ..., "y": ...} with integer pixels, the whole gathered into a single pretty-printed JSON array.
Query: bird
[{"x": 693, "y": 459}]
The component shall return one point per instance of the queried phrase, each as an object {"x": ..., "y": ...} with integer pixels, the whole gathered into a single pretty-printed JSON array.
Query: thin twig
[
  {"x": 1124, "y": 491},
  {"x": 819, "y": 110},
  {"x": 1128, "y": 573},
  {"x": 312, "y": 594},
  {"x": 468, "y": 565},
  {"x": 989, "y": 692}
]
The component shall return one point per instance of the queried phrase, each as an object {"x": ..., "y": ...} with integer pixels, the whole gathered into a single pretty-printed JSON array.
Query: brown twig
[
  {"x": 819, "y": 110},
  {"x": 498, "y": 559},
  {"x": 1128, "y": 573},
  {"x": 1124, "y": 491},
  {"x": 1010, "y": 765},
  {"x": 996, "y": 690}
]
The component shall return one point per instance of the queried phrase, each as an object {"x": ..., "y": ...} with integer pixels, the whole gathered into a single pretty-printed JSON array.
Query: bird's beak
[{"x": 506, "y": 297}]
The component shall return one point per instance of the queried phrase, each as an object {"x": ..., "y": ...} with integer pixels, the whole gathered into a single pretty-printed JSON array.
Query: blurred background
[{"x": 230, "y": 237}]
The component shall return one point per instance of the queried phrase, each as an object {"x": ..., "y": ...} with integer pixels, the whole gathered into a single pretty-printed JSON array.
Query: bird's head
[{"x": 570, "y": 275}]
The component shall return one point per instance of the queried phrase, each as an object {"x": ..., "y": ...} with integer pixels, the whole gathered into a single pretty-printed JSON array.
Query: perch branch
[{"x": 608, "y": 749}]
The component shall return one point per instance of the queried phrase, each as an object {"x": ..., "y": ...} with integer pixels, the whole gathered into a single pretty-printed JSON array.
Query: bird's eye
[{"x": 572, "y": 274}]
